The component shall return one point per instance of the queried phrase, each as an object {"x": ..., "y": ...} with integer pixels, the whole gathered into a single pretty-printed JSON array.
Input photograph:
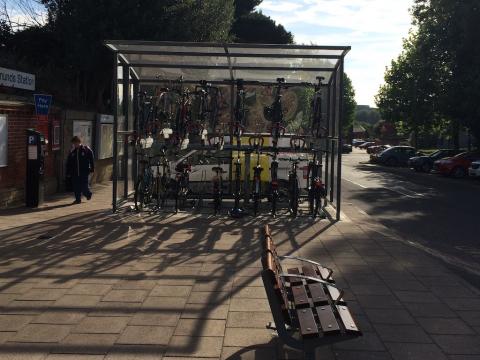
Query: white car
[{"x": 474, "y": 169}]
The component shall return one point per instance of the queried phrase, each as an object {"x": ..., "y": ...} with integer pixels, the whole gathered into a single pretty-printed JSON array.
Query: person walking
[{"x": 80, "y": 165}]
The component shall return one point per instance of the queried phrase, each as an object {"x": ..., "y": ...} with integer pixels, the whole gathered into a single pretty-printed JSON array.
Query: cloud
[{"x": 374, "y": 29}]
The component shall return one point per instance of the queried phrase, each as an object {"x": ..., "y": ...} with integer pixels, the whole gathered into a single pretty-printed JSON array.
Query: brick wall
[{"x": 21, "y": 116}]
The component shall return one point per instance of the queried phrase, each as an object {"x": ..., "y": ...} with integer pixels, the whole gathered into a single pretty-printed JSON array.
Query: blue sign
[{"x": 42, "y": 104}]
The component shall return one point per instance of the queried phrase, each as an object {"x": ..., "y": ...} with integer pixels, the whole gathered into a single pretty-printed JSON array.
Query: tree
[
  {"x": 252, "y": 26},
  {"x": 349, "y": 105},
  {"x": 409, "y": 94},
  {"x": 452, "y": 28},
  {"x": 435, "y": 82},
  {"x": 76, "y": 30}
]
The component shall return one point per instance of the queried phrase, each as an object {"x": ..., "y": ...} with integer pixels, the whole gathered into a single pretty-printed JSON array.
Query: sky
[{"x": 373, "y": 28}]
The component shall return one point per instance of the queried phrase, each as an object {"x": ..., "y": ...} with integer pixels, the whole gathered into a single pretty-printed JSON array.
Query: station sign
[{"x": 17, "y": 79}]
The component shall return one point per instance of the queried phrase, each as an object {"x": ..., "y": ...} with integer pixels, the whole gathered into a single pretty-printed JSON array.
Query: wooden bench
[{"x": 307, "y": 306}]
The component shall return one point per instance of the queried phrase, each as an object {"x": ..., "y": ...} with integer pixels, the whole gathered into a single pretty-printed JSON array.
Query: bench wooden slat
[
  {"x": 318, "y": 294},
  {"x": 294, "y": 281},
  {"x": 334, "y": 294},
  {"x": 300, "y": 297},
  {"x": 309, "y": 270},
  {"x": 308, "y": 326},
  {"x": 347, "y": 319},
  {"x": 327, "y": 319},
  {"x": 325, "y": 273}
]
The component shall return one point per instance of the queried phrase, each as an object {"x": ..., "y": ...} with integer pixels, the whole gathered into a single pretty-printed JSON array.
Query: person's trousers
[{"x": 80, "y": 186}]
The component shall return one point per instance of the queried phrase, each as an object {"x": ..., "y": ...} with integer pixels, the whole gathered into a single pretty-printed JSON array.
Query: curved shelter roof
[{"x": 155, "y": 62}]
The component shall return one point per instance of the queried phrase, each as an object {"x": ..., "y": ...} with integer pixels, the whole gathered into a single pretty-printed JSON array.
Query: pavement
[
  {"x": 437, "y": 213},
  {"x": 78, "y": 282}
]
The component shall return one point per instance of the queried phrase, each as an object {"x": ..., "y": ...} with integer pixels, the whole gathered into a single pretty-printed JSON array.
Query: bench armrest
[
  {"x": 330, "y": 271},
  {"x": 340, "y": 291}
]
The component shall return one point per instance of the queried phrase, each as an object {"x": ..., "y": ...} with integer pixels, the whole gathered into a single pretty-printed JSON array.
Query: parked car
[
  {"x": 357, "y": 142},
  {"x": 456, "y": 166},
  {"x": 396, "y": 155},
  {"x": 425, "y": 163},
  {"x": 367, "y": 144},
  {"x": 346, "y": 148},
  {"x": 474, "y": 169},
  {"x": 377, "y": 149}
]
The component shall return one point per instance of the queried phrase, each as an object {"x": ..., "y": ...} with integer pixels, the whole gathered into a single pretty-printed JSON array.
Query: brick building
[
  {"x": 20, "y": 116},
  {"x": 18, "y": 113}
]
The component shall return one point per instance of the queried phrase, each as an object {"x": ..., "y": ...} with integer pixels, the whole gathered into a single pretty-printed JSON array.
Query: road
[{"x": 439, "y": 214}]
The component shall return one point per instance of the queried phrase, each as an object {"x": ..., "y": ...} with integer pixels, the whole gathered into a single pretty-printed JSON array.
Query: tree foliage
[
  {"x": 251, "y": 26},
  {"x": 349, "y": 105},
  {"x": 435, "y": 82},
  {"x": 72, "y": 39}
]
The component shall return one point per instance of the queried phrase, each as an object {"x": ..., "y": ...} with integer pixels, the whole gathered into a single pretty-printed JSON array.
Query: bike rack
[{"x": 144, "y": 64}]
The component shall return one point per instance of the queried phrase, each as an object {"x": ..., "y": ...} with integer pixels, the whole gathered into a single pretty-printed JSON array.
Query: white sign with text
[{"x": 17, "y": 79}]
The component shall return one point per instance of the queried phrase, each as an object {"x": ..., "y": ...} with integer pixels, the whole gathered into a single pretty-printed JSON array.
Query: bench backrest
[{"x": 272, "y": 269}]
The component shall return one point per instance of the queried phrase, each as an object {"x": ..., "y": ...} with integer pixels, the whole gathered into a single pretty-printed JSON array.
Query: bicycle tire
[
  {"x": 139, "y": 196},
  {"x": 274, "y": 205},
  {"x": 294, "y": 198}
]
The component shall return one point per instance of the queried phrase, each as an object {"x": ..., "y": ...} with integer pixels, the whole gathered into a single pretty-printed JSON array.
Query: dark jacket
[{"x": 80, "y": 161}]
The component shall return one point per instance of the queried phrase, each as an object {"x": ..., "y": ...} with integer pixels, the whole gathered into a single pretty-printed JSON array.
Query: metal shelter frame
[{"x": 139, "y": 63}]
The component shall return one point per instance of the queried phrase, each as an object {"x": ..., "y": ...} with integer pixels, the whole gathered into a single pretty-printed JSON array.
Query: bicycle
[
  {"x": 217, "y": 182},
  {"x": 182, "y": 183},
  {"x": 317, "y": 130},
  {"x": 257, "y": 143},
  {"x": 163, "y": 182},
  {"x": 274, "y": 113},
  {"x": 274, "y": 185},
  {"x": 144, "y": 186},
  {"x": 237, "y": 130},
  {"x": 316, "y": 188},
  {"x": 296, "y": 143}
]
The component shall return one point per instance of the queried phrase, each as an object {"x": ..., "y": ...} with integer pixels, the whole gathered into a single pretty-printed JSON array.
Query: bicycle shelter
[{"x": 138, "y": 64}]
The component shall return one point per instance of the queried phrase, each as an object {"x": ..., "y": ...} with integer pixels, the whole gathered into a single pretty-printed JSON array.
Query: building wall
[{"x": 20, "y": 117}]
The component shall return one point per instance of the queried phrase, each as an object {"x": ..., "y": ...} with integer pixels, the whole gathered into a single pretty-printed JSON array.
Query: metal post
[
  {"x": 333, "y": 137},
  {"x": 115, "y": 129},
  {"x": 125, "y": 109},
  {"x": 136, "y": 91},
  {"x": 340, "y": 141}
]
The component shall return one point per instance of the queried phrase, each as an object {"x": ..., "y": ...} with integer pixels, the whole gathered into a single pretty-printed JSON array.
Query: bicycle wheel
[
  {"x": 274, "y": 204},
  {"x": 317, "y": 201},
  {"x": 294, "y": 198},
  {"x": 139, "y": 195},
  {"x": 311, "y": 201}
]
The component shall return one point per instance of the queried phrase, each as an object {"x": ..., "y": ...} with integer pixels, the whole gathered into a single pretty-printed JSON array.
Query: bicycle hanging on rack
[
  {"x": 256, "y": 142},
  {"x": 296, "y": 143},
  {"x": 274, "y": 114},
  {"x": 316, "y": 188},
  {"x": 238, "y": 127},
  {"x": 274, "y": 185},
  {"x": 317, "y": 130}
]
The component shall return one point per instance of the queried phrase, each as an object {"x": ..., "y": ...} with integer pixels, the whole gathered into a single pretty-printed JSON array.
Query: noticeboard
[
  {"x": 83, "y": 129},
  {"x": 104, "y": 138}
]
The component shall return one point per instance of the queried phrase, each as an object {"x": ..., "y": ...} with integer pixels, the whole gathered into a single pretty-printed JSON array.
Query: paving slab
[{"x": 186, "y": 286}]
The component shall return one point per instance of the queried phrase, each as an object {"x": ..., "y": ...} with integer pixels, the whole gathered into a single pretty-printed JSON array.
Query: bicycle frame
[
  {"x": 274, "y": 183},
  {"x": 316, "y": 190},
  {"x": 256, "y": 142}
]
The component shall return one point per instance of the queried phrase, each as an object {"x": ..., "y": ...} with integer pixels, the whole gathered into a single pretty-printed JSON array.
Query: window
[{"x": 3, "y": 141}]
